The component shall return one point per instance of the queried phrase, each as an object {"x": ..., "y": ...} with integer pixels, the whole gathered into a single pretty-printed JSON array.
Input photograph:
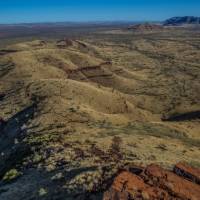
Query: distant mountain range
[
  {"x": 179, "y": 21},
  {"x": 146, "y": 27}
]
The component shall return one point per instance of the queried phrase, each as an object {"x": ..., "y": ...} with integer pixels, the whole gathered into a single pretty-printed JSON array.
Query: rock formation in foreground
[{"x": 154, "y": 182}]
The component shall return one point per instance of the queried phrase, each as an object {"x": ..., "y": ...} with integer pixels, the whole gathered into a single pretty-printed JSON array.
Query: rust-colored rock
[
  {"x": 153, "y": 183},
  {"x": 188, "y": 172},
  {"x": 176, "y": 185},
  {"x": 127, "y": 186}
]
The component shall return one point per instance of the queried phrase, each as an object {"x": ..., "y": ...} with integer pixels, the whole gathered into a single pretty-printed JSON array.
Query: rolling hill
[{"x": 75, "y": 111}]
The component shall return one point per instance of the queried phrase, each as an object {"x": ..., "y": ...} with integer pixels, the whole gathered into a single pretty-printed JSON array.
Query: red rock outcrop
[
  {"x": 153, "y": 183},
  {"x": 188, "y": 172},
  {"x": 174, "y": 184},
  {"x": 127, "y": 185}
]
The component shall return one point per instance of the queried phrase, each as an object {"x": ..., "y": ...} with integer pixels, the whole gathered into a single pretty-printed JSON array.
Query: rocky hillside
[
  {"x": 179, "y": 21},
  {"x": 73, "y": 112},
  {"x": 154, "y": 183}
]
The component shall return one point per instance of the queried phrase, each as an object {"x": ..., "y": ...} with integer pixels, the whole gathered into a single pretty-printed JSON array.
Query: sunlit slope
[
  {"x": 106, "y": 89},
  {"x": 76, "y": 111}
]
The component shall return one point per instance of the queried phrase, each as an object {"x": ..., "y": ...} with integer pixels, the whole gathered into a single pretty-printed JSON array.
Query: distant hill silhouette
[
  {"x": 176, "y": 21},
  {"x": 146, "y": 27}
]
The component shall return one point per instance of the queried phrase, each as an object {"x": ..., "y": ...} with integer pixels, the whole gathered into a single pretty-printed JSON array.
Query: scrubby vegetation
[
  {"x": 11, "y": 175},
  {"x": 77, "y": 112}
]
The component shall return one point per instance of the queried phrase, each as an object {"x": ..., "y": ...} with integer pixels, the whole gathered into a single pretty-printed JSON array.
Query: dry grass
[{"x": 91, "y": 112}]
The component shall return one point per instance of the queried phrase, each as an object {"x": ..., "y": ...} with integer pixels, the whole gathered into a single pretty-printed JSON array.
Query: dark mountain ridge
[{"x": 190, "y": 20}]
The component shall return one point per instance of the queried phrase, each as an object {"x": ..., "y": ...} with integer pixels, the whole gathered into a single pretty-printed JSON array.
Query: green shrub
[
  {"x": 11, "y": 175},
  {"x": 42, "y": 192}
]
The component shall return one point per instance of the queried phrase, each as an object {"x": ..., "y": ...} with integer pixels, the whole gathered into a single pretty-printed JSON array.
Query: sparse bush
[
  {"x": 11, "y": 175},
  {"x": 162, "y": 147},
  {"x": 42, "y": 192},
  {"x": 57, "y": 176},
  {"x": 97, "y": 152},
  {"x": 60, "y": 125},
  {"x": 116, "y": 147},
  {"x": 73, "y": 110},
  {"x": 79, "y": 153},
  {"x": 37, "y": 158}
]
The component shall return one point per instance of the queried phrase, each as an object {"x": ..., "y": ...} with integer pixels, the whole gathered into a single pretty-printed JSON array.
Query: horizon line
[
  {"x": 89, "y": 21},
  {"x": 80, "y": 22}
]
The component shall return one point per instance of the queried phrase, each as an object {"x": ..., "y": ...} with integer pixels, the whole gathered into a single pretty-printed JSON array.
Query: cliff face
[{"x": 182, "y": 20}]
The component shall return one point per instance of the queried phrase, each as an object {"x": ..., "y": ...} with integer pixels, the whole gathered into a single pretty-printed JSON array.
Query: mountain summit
[{"x": 174, "y": 21}]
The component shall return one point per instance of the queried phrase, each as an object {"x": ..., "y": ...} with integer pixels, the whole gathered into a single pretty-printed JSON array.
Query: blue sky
[{"x": 16, "y": 11}]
